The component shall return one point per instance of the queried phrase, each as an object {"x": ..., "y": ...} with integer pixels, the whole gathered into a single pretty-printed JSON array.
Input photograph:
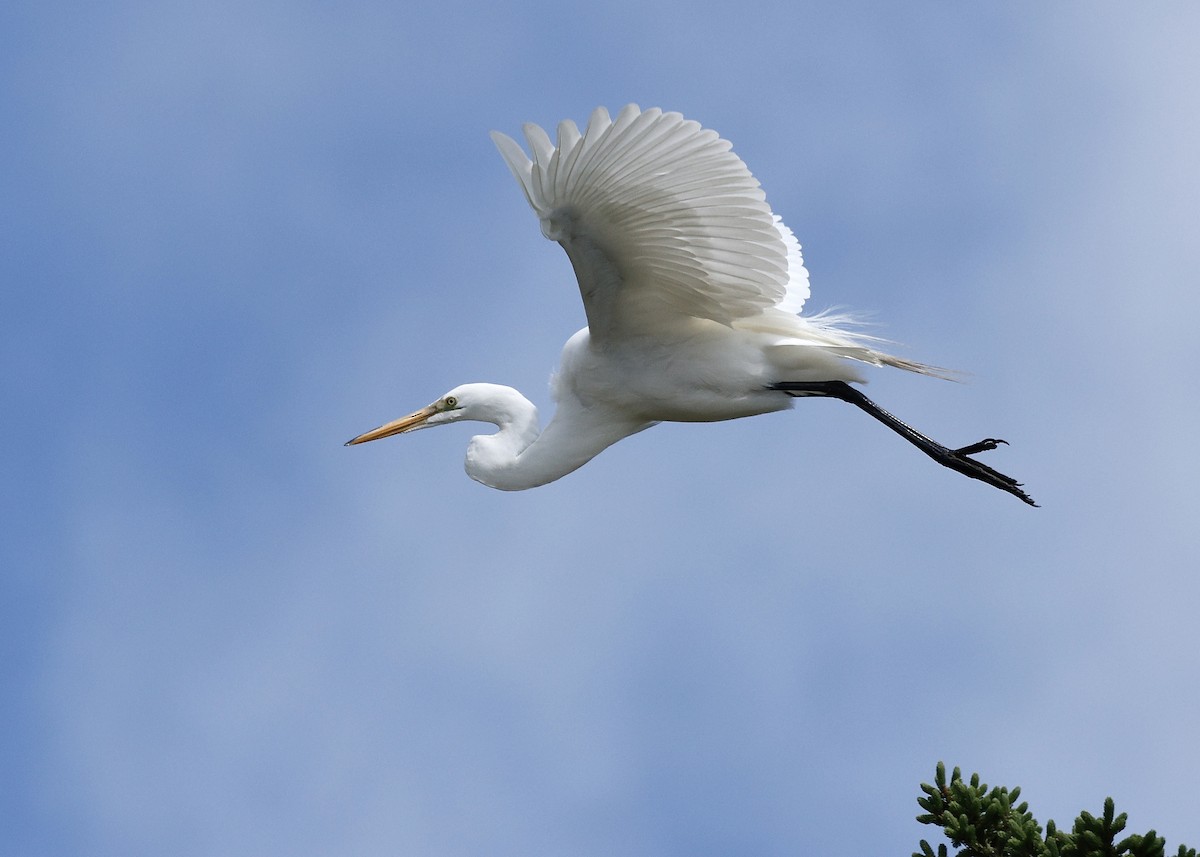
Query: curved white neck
[{"x": 518, "y": 457}]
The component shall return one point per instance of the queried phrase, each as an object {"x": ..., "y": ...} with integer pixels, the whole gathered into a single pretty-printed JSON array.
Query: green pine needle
[{"x": 983, "y": 822}]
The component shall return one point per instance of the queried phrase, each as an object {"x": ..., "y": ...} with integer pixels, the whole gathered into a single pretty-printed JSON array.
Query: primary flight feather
[{"x": 692, "y": 288}]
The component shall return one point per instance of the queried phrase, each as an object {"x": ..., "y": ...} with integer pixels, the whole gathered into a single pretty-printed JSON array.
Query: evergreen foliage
[{"x": 983, "y": 822}]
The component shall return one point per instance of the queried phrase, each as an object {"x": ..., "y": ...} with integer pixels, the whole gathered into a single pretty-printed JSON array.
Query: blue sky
[{"x": 236, "y": 234}]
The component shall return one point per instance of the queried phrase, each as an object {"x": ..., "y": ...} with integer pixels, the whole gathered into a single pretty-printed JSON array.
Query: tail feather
[{"x": 832, "y": 333}]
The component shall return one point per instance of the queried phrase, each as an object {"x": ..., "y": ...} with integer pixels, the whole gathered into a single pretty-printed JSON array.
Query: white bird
[{"x": 692, "y": 289}]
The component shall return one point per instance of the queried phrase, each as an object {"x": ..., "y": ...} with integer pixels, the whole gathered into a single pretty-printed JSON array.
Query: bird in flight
[{"x": 692, "y": 289}]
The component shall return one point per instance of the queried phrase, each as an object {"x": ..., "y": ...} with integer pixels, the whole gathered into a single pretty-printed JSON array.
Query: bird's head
[
  {"x": 490, "y": 403},
  {"x": 447, "y": 409}
]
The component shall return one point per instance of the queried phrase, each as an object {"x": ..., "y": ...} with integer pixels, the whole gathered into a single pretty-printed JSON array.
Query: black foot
[{"x": 960, "y": 460}]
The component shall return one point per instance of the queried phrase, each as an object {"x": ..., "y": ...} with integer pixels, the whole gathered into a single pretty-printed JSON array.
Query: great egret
[{"x": 692, "y": 289}]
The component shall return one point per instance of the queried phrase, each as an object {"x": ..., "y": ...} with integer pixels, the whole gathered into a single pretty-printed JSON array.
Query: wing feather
[{"x": 661, "y": 221}]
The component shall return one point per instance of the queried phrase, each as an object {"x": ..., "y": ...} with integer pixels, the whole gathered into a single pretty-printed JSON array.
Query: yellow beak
[{"x": 409, "y": 423}]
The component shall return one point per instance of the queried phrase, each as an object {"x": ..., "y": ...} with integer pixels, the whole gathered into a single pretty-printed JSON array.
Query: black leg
[{"x": 955, "y": 459}]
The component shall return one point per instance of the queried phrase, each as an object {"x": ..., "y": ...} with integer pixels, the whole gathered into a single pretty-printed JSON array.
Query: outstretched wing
[{"x": 661, "y": 221}]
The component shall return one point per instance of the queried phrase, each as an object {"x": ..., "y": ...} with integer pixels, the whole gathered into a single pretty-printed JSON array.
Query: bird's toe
[{"x": 985, "y": 445}]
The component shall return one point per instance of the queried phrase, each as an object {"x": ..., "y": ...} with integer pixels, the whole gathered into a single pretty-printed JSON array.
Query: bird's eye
[{"x": 451, "y": 401}]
